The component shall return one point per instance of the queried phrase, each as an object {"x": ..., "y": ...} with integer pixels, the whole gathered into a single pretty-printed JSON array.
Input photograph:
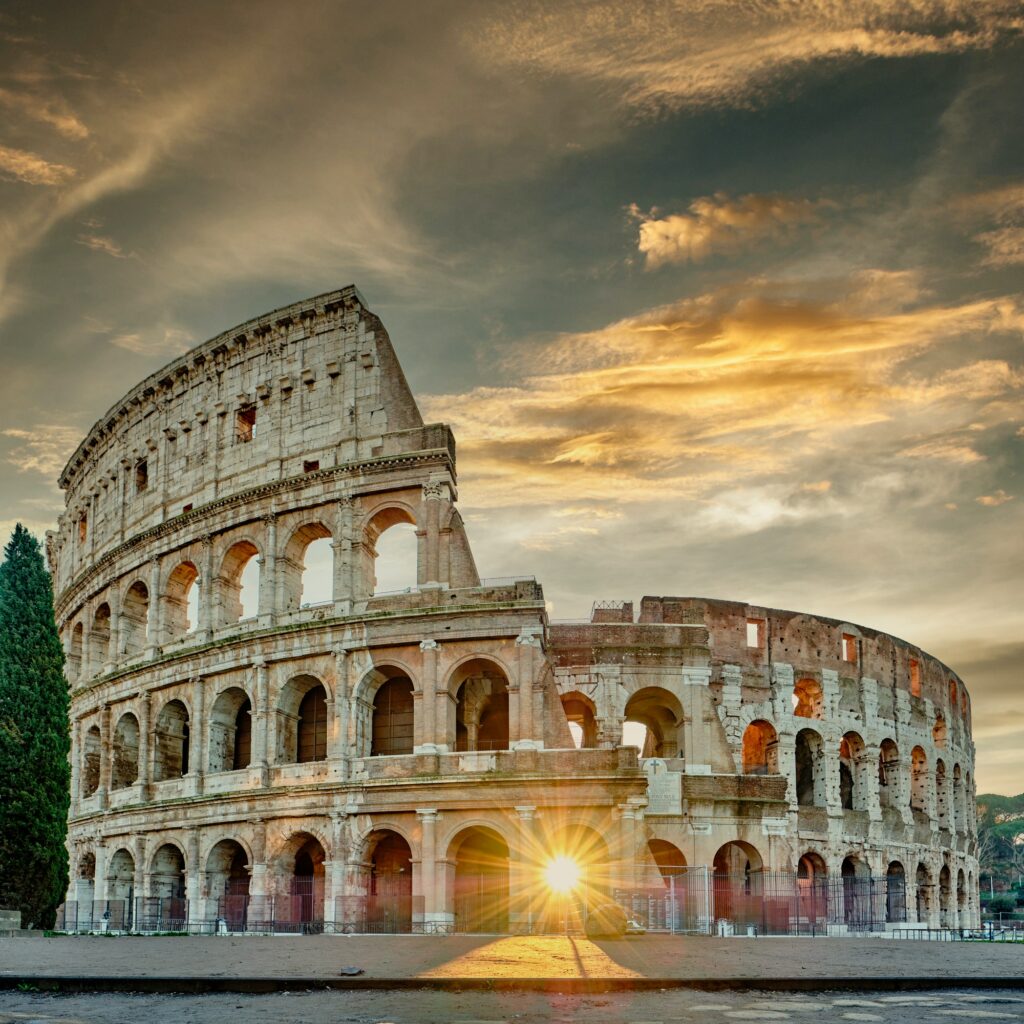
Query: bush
[{"x": 1002, "y": 905}]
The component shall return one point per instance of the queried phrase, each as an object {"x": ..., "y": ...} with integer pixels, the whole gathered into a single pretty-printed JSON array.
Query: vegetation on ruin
[
  {"x": 34, "y": 739},
  {"x": 1001, "y": 843}
]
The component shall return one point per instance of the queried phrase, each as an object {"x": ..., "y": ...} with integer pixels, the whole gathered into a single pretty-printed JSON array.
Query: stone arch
[
  {"x": 581, "y": 716},
  {"x": 737, "y": 857},
  {"x": 134, "y": 620},
  {"x": 238, "y": 585},
  {"x": 480, "y": 712},
  {"x": 924, "y": 893},
  {"x": 858, "y": 912},
  {"x": 479, "y": 858},
  {"x": 660, "y": 712},
  {"x": 394, "y": 575},
  {"x": 760, "y": 749},
  {"x": 384, "y": 711},
  {"x": 75, "y": 649},
  {"x": 228, "y": 869},
  {"x": 124, "y": 769},
  {"x": 230, "y": 728},
  {"x": 669, "y": 858},
  {"x": 305, "y": 578},
  {"x": 808, "y": 699},
  {"x": 918, "y": 780},
  {"x": 121, "y": 875},
  {"x": 961, "y": 897},
  {"x": 939, "y": 732},
  {"x": 171, "y": 741},
  {"x": 387, "y": 882},
  {"x": 92, "y": 750},
  {"x": 812, "y": 887},
  {"x": 852, "y": 784},
  {"x": 99, "y": 638},
  {"x": 181, "y": 606},
  {"x": 85, "y": 868},
  {"x": 810, "y": 769},
  {"x": 895, "y": 892},
  {"x": 889, "y": 771},
  {"x": 736, "y": 881},
  {"x": 167, "y": 875},
  {"x": 300, "y": 882},
  {"x": 302, "y": 726}
]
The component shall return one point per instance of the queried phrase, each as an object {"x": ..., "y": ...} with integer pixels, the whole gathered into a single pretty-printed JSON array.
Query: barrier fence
[{"x": 690, "y": 901}]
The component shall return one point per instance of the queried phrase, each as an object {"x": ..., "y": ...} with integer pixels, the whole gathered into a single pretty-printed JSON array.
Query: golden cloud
[
  {"x": 42, "y": 449},
  {"x": 1000, "y": 497},
  {"x": 32, "y": 168},
  {"x": 720, "y": 224},
  {"x": 51, "y": 111}
]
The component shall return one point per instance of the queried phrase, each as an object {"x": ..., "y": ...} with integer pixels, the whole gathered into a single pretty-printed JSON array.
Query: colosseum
[{"x": 266, "y": 739}]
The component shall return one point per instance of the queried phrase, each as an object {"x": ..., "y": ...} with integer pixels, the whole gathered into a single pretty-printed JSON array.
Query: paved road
[{"x": 511, "y": 1008}]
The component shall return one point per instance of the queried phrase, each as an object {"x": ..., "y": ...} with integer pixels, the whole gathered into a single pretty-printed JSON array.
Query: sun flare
[{"x": 562, "y": 874}]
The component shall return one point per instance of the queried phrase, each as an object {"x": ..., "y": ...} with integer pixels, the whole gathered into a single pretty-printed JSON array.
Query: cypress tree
[{"x": 34, "y": 738}]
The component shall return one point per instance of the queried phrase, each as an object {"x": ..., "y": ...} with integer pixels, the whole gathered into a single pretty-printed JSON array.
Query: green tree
[{"x": 34, "y": 739}]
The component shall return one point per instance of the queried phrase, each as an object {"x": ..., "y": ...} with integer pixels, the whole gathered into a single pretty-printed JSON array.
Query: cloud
[
  {"x": 156, "y": 341},
  {"x": 1004, "y": 208},
  {"x": 104, "y": 244},
  {"x": 31, "y": 168},
  {"x": 694, "y": 53},
  {"x": 1000, "y": 497},
  {"x": 51, "y": 111},
  {"x": 44, "y": 448},
  {"x": 720, "y": 224}
]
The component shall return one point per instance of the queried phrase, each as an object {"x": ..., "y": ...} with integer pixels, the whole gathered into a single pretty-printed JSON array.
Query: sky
[{"x": 721, "y": 299}]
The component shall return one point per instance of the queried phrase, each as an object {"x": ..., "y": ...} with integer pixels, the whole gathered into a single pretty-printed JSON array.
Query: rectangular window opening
[
  {"x": 83, "y": 528},
  {"x": 755, "y": 632},
  {"x": 915, "y": 677},
  {"x": 849, "y": 647},
  {"x": 187, "y": 508},
  {"x": 310, "y": 466},
  {"x": 245, "y": 424},
  {"x": 141, "y": 476}
]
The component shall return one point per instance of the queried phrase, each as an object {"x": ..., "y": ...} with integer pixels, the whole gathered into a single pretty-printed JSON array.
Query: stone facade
[{"x": 438, "y": 744}]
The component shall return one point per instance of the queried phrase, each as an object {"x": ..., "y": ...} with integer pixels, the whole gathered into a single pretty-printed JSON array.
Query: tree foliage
[
  {"x": 1001, "y": 838},
  {"x": 34, "y": 738}
]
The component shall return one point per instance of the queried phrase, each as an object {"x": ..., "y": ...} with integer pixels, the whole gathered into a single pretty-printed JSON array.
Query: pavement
[{"x": 521, "y": 963}]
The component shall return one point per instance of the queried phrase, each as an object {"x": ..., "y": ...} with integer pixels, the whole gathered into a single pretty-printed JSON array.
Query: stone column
[
  {"x": 145, "y": 761},
  {"x": 113, "y": 653},
  {"x": 75, "y": 757},
  {"x": 154, "y": 617},
  {"x": 271, "y": 588},
  {"x": 527, "y": 897},
  {"x": 425, "y": 880},
  {"x": 531, "y": 728},
  {"x": 867, "y": 782},
  {"x": 787, "y": 766},
  {"x": 193, "y": 880},
  {"x": 261, "y": 722},
  {"x": 198, "y": 736},
  {"x": 207, "y": 592},
  {"x": 106, "y": 757},
  {"x": 139, "y": 877},
  {"x": 434, "y": 494},
  {"x": 93, "y": 914},
  {"x": 342, "y": 547},
  {"x": 335, "y": 872},
  {"x": 258, "y": 868},
  {"x": 426, "y": 731}
]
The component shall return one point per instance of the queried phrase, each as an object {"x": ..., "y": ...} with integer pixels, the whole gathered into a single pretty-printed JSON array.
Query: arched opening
[
  {"x": 918, "y": 780},
  {"x": 166, "y": 910},
  {"x": 941, "y": 794},
  {"x": 959, "y": 802},
  {"x": 737, "y": 884},
  {"x": 856, "y": 893},
  {"x": 91, "y": 749},
  {"x": 181, "y": 601},
  {"x": 302, "y": 721},
  {"x": 661, "y": 714},
  {"x": 812, "y": 886},
  {"x": 227, "y": 874},
  {"x": 304, "y": 899},
  {"x": 481, "y": 708},
  {"x": 134, "y": 619},
  {"x": 924, "y": 894},
  {"x": 481, "y": 881},
  {"x": 121, "y": 877},
  {"x": 851, "y": 784},
  {"x": 392, "y": 723},
  {"x": 945, "y": 898},
  {"x": 582, "y": 719},
  {"x": 889, "y": 774},
  {"x": 239, "y": 583},
  {"x": 939, "y": 732},
  {"x": 389, "y": 887},
  {"x": 99, "y": 639},
  {"x": 391, "y": 548},
  {"x": 808, "y": 699},
  {"x": 669, "y": 858},
  {"x": 810, "y": 769},
  {"x": 171, "y": 742},
  {"x": 87, "y": 867},
  {"x": 760, "y": 749},
  {"x": 124, "y": 769},
  {"x": 307, "y": 568},
  {"x": 961, "y": 898},
  {"x": 230, "y": 724},
  {"x": 74, "y": 662},
  {"x": 895, "y": 893}
]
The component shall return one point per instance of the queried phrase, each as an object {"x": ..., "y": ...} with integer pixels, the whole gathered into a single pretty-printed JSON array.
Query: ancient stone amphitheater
[{"x": 249, "y": 754}]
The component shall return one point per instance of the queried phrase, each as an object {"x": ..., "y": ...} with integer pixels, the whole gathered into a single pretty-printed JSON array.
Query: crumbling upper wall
[{"x": 308, "y": 387}]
